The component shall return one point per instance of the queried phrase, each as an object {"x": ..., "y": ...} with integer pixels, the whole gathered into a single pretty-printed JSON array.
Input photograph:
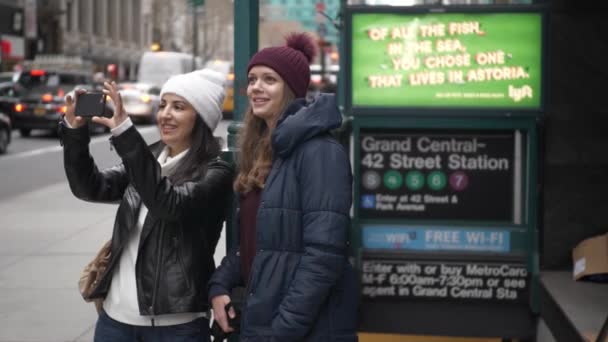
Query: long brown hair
[
  {"x": 203, "y": 148},
  {"x": 255, "y": 155}
]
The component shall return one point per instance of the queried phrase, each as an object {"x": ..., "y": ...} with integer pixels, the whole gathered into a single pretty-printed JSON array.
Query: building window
[
  {"x": 113, "y": 19},
  {"x": 98, "y": 18},
  {"x": 137, "y": 22},
  {"x": 83, "y": 14},
  {"x": 124, "y": 21},
  {"x": 69, "y": 16}
]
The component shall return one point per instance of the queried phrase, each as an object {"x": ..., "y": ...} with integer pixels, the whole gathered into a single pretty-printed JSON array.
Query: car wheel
[
  {"x": 25, "y": 132},
  {"x": 4, "y": 139}
]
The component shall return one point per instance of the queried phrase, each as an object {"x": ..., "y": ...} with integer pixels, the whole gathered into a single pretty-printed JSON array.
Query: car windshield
[
  {"x": 6, "y": 78},
  {"x": 32, "y": 79},
  {"x": 139, "y": 87},
  {"x": 36, "y": 81}
]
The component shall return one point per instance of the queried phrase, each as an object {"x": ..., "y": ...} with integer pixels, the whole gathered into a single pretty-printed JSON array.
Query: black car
[
  {"x": 6, "y": 76},
  {"x": 5, "y": 132},
  {"x": 40, "y": 94},
  {"x": 7, "y": 95}
]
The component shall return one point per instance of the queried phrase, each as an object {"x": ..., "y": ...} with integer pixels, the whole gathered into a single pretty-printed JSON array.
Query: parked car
[
  {"x": 40, "y": 94},
  {"x": 228, "y": 105},
  {"x": 141, "y": 101},
  {"x": 7, "y": 77},
  {"x": 8, "y": 98},
  {"x": 5, "y": 132}
]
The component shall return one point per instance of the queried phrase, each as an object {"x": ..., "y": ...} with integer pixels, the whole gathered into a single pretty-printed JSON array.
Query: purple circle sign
[{"x": 459, "y": 180}]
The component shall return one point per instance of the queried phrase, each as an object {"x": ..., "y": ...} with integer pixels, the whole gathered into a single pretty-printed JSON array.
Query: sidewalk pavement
[{"x": 46, "y": 238}]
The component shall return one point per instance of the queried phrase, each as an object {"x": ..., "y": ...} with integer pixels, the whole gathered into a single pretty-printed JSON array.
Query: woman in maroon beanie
[{"x": 294, "y": 182}]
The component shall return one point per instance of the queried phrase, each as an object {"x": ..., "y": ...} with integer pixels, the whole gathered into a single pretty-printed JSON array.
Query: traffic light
[
  {"x": 323, "y": 43},
  {"x": 155, "y": 46}
]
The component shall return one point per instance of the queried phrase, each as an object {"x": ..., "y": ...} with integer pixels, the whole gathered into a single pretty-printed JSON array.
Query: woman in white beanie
[{"x": 174, "y": 196}]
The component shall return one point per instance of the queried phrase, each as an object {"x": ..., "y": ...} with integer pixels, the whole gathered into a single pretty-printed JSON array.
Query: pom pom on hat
[
  {"x": 303, "y": 43},
  {"x": 203, "y": 89},
  {"x": 291, "y": 62}
]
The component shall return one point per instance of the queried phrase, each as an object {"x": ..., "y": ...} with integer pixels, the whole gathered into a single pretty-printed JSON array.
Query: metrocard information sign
[{"x": 446, "y": 60}]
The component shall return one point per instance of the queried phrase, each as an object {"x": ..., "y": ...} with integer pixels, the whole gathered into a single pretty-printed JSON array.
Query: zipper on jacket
[
  {"x": 157, "y": 273},
  {"x": 180, "y": 261},
  {"x": 248, "y": 293}
]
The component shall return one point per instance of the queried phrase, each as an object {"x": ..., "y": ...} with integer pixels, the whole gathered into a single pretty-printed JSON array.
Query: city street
[
  {"x": 38, "y": 139},
  {"x": 47, "y": 236}
]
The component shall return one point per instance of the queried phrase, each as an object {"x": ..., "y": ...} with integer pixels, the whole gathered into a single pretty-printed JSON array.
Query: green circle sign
[
  {"x": 437, "y": 180},
  {"x": 393, "y": 179},
  {"x": 414, "y": 180}
]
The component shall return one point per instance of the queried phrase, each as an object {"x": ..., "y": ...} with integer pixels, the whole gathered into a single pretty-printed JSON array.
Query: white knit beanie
[{"x": 203, "y": 89}]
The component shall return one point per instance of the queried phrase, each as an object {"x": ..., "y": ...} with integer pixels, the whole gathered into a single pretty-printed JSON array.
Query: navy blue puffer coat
[{"x": 302, "y": 287}]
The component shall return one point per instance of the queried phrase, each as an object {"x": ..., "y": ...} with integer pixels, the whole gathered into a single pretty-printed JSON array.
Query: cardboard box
[
  {"x": 590, "y": 257},
  {"x": 590, "y": 337}
]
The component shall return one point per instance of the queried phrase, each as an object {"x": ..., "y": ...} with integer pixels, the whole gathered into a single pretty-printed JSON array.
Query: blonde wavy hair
[{"x": 255, "y": 148}]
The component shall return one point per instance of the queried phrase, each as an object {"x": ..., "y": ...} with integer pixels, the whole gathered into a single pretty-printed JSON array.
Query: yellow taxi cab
[
  {"x": 228, "y": 106},
  {"x": 226, "y": 68}
]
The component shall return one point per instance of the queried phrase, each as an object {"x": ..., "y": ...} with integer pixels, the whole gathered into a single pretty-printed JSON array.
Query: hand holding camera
[
  {"x": 93, "y": 105},
  {"x": 232, "y": 320},
  {"x": 223, "y": 312},
  {"x": 110, "y": 89},
  {"x": 70, "y": 113}
]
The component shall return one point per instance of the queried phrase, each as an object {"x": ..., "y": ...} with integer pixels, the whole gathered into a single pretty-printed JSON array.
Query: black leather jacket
[{"x": 181, "y": 230}]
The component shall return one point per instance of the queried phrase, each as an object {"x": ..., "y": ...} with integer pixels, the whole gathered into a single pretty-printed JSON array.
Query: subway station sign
[
  {"x": 446, "y": 60},
  {"x": 415, "y": 279},
  {"x": 441, "y": 175},
  {"x": 436, "y": 238}
]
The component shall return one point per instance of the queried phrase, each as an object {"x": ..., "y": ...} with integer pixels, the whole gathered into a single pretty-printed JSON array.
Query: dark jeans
[{"x": 109, "y": 330}]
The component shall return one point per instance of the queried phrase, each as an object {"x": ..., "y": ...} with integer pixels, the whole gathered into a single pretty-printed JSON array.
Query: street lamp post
[
  {"x": 194, "y": 35},
  {"x": 205, "y": 23},
  {"x": 246, "y": 19},
  {"x": 195, "y": 5}
]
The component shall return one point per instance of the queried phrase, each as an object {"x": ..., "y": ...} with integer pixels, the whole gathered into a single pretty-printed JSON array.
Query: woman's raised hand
[
  {"x": 69, "y": 116},
  {"x": 120, "y": 115}
]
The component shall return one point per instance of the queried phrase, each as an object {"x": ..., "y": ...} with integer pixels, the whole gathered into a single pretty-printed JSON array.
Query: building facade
[
  {"x": 303, "y": 13},
  {"x": 111, "y": 33},
  {"x": 12, "y": 24},
  {"x": 115, "y": 33}
]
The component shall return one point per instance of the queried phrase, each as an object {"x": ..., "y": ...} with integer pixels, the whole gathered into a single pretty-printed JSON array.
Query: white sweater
[{"x": 121, "y": 302}]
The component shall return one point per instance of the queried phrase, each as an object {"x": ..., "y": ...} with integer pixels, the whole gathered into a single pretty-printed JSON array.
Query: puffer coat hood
[{"x": 302, "y": 121}]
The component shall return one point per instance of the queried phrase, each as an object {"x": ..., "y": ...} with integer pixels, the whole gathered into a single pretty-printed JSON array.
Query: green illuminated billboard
[{"x": 445, "y": 60}]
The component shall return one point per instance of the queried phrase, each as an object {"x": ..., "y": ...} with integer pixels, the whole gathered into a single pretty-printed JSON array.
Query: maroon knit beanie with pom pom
[{"x": 291, "y": 62}]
